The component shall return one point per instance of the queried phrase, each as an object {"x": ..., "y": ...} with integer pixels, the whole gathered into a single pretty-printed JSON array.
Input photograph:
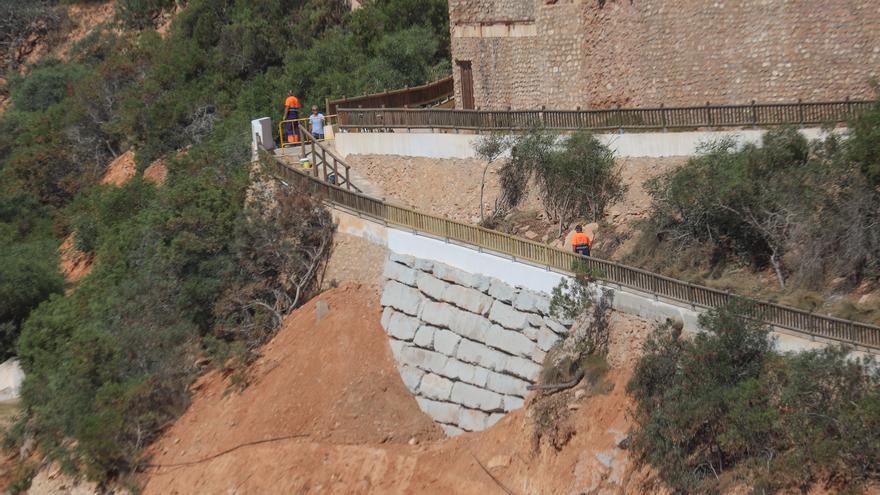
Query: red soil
[
  {"x": 156, "y": 173},
  {"x": 74, "y": 263},
  {"x": 333, "y": 381},
  {"x": 120, "y": 170}
]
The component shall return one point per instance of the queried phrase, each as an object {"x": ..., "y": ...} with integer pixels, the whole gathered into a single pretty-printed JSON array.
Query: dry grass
[{"x": 8, "y": 411}]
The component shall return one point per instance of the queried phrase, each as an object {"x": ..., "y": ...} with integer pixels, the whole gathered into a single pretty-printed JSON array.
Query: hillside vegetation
[
  {"x": 185, "y": 270},
  {"x": 809, "y": 212},
  {"x": 724, "y": 410}
]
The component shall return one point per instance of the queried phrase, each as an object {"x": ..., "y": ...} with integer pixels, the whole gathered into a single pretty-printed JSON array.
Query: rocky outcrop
[{"x": 467, "y": 345}]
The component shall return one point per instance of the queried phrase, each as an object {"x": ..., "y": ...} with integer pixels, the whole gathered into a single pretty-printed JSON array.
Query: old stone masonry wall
[{"x": 466, "y": 345}]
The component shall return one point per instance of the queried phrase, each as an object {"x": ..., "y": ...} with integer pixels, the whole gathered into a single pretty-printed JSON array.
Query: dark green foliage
[
  {"x": 863, "y": 147},
  {"x": 807, "y": 210},
  {"x": 725, "y": 408},
  {"x": 140, "y": 14},
  {"x": 28, "y": 265},
  {"x": 576, "y": 175},
  {"x": 46, "y": 86},
  {"x": 184, "y": 269},
  {"x": 95, "y": 214}
]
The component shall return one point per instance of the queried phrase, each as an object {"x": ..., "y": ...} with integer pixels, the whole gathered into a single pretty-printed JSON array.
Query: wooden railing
[
  {"x": 810, "y": 324},
  {"x": 755, "y": 115},
  {"x": 416, "y": 96},
  {"x": 325, "y": 164}
]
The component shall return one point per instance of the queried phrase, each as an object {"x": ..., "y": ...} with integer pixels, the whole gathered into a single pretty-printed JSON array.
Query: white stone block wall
[{"x": 466, "y": 345}]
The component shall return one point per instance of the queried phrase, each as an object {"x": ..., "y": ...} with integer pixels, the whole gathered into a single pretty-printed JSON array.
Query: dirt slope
[
  {"x": 74, "y": 264},
  {"x": 452, "y": 188},
  {"x": 120, "y": 170},
  {"x": 333, "y": 380}
]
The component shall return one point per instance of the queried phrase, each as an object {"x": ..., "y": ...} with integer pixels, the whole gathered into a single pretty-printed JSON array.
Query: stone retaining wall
[
  {"x": 599, "y": 54},
  {"x": 467, "y": 345}
]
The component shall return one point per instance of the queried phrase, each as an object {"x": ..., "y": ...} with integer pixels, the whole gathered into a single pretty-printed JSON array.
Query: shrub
[
  {"x": 45, "y": 86},
  {"x": 20, "y": 22},
  {"x": 725, "y": 408},
  {"x": 806, "y": 210},
  {"x": 26, "y": 280},
  {"x": 140, "y": 14},
  {"x": 577, "y": 176},
  {"x": 28, "y": 265},
  {"x": 281, "y": 249}
]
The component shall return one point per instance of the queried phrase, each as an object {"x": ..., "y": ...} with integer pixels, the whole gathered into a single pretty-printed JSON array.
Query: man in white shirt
[{"x": 316, "y": 119}]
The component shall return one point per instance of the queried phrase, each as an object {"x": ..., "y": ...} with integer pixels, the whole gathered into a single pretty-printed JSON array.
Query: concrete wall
[
  {"x": 11, "y": 377},
  {"x": 469, "y": 330},
  {"x": 467, "y": 345},
  {"x": 541, "y": 280},
  {"x": 577, "y": 53},
  {"x": 452, "y": 145}
]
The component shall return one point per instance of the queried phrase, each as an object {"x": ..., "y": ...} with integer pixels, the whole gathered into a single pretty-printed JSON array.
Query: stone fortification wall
[
  {"x": 675, "y": 52},
  {"x": 491, "y": 10},
  {"x": 467, "y": 345}
]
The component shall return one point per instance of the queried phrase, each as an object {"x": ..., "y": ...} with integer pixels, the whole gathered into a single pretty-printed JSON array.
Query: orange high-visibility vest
[
  {"x": 291, "y": 102},
  {"x": 580, "y": 238}
]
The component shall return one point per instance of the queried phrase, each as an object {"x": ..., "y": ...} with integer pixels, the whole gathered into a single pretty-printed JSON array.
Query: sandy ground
[
  {"x": 451, "y": 188},
  {"x": 331, "y": 381},
  {"x": 120, "y": 170},
  {"x": 354, "y": 259},
  {"x": 156, "y": 173},
  {"x": 443, "y": 187},
  {"x": 74, "y": 263},
  {"x": 84, "y": 17}
]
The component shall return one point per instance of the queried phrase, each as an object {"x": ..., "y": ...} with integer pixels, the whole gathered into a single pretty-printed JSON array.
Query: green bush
[
  {"x": 183, "y": 269},
  {"x": 724, "y": 409},
  {"x": 576, "y": 175},
  {"x": 28, "y": 266},
  {"x": 807, "y": 210},
  {"x": 45, "y": 86},
  {"x": 27, "y": 277},
  {"x": 140, "y": 14}
]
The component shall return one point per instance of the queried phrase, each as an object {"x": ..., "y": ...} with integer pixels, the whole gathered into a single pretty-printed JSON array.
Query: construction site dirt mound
[
  {"x": 354, "y": 259},
  {"x": 120, "y": 170},
  {"x": 451, "y": 188},
  {"x": 156, "y": 173},
  {"x": 325, "y": 411},
  {"x": 447, "y": 187}
]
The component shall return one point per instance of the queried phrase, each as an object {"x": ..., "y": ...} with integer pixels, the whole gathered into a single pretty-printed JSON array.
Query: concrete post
[{"x": 261, "y": 135}]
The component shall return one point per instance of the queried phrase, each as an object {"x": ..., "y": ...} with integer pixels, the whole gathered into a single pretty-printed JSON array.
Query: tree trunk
[
  {"x": 482, "y": 187},
  {"x": 777, "y": 267}
]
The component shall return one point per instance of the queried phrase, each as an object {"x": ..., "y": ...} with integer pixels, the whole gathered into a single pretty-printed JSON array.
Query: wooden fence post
[
  {"x": 754, "y": 116},
  {"x": 663, "y": 116},
  {"x": 801, "y": 111}
]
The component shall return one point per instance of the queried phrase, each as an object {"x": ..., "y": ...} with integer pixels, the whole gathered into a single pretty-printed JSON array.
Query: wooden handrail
[
  {"x": 399, "y": 98},
  {"x": 855, "y": 333},
  {"x": 662, "y": 117},
  {"x": 344, "y": 179}
]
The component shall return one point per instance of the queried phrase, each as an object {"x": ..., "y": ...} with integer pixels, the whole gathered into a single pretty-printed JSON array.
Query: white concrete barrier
[
  {"x": 539, "y": 279},
  {"x": 11, "y": 377},
  {"x": 452, "y": 145}
]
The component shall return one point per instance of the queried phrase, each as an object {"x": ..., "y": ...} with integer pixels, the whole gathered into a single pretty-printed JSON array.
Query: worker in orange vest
[
  {"x": 580, "y": 242},
  {"x": 291, "y": 112}
]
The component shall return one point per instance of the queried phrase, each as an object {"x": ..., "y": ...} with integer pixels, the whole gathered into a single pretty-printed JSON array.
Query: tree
[
  {"x": 489, "y": 147},
  {"x": 576, "y": 175},
  {"x": 726, "y": 402}
]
